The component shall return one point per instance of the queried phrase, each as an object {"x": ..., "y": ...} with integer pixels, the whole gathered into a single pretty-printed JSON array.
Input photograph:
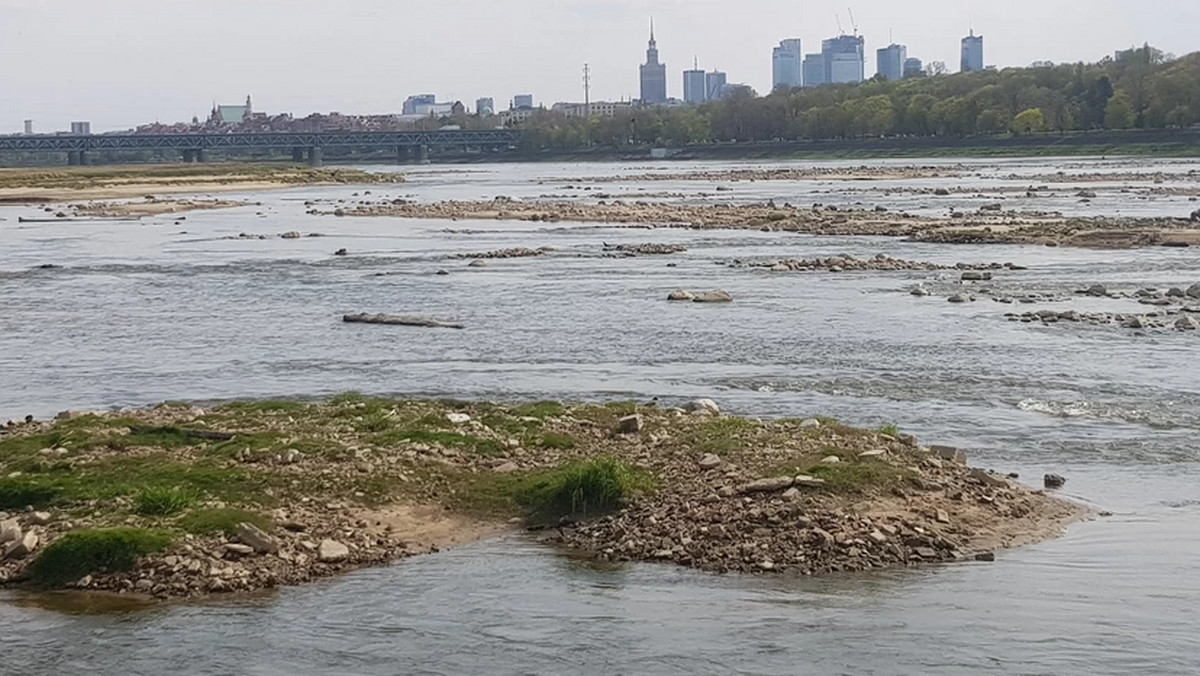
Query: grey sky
[{"x": 118, "y": 63}]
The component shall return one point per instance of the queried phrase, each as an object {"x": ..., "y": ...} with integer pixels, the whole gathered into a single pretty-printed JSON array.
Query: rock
[
  {"x": 949, "y": 453},
  {"x": 767, "y": 485},
  {"x": 1187, "y": 323},
  {"x": 240, "y": 550},
  {"x": 1196, "y": 215},
  {"x": 341, "y": 252},
  {"x": 927, "y": 553},
  {"x": 10, "y": 531},
  {"x": 713, "y": 297},
  {"x": 477, "y": 263},
  {"x": 961, "y": 298},
  {"x": 809, "y": 423},
  {"x": 988, "y": 479},
  {"x": 941, "y": 516},
  {"x": 941, "y": 192},
  {"x": 876, "y": 453},
  {"x": 291, "y": 235},
  {"x": 681, "y": 295},
  {"x": 22, "y": 547},
  {"x": 442, "y": 272},
  {"x": 702, "y": 405},
  {"x": 39, "y": 518},
  {"x": 458, "y": 418},
  {"x": 808, "y": 481},
  {"x": 1176, "y": 292},
  {"x": 791, "y": 494},
  {"x": 1193, "y": 291},
  {"x": 726, "y": 492},
  {"x": 1134, "y": 323},
  {"x": 630, "y": 424},
  {"x": 986, "y": 556},
  {"x": 507, "y": 468},
  {"x": 1053, "y": 481},
  {"x": 976, "y": 276},
  {"x": 710, "y": 461},
  {"x": 919, "y": 291},
  {"x": 1086, "y": 194},
  {"x": 291, "y": 456},
  {"x": 331, "y": 551},
  {"x": 831, "y": 460},
  {"x": 257, "y": 538},
  {"x": 1097, "y": 290}
]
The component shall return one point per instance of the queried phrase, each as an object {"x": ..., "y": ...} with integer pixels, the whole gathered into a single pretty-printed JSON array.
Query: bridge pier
[
  {"x": 74, "y": 157},
  {"x": 298, "y": 154},
  {"x": 315, "y": 156},
  {"x": 423, "y": 154},
  {"x": 403, "y": 154},
  {"x": 202, "y": 155},
  {"x": 189, "y": 156}
]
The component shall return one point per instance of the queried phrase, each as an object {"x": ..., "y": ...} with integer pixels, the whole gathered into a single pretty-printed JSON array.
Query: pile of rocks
[
  {"x": 879, "y": 262},
  {"x": 517, "y": 252},
  {"x": 700, "y": 296},
  {"x": 1168, "y": 319},
  {"x": 644, "y": 249},
  {"x": 20, "y": 536}
]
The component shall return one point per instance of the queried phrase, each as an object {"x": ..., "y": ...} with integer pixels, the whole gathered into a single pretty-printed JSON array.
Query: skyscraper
[
  {"x": 786, "y": 60},
  {"x": 814, "y": 70},
  {"x": 653, "y": 74},
  {"x": 972, "y": 53},
  {"x": 714, "y": 83},
  {"x": 890, "y": 61},
  {"x": 694, "y": 88},
  {"x": 843, "y": 58},
  {"x": 485, "y": 106}
]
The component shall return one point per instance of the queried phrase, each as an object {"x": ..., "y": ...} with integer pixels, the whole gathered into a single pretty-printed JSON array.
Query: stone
[
  {"x": 1187, "y": 323},
  {"x": 341, "y": 252},
  {"x": 941, "y": 516},
  {"x": 257, "y": 538},
  {"x": 1053, "y": 481},
  {"x": 988, "y": 479},
  {"x": 809, "y": 423},
  {"x": 767, "y": 485},
  {"x": 331, "y": 551},
  {"x": 702, "y": 405},
  {"x": 681, "y": 295},
  {"x": 144, "y": 585},
  {"x": 507, "y": 468},
  {"x": 10, "y": 531},
  {"x": 291, "y": 456},
  {"x": 726, "y": 492},
  {"x": 241, "y": 550},
  {"x": 291, "y": 235},
  {"x": 1134, "y": 323},
  {"x": 710, "y": 461},
  {"x": 876, "y": 453},
  {"x": 630, "y": 424},
  {"x": 477, "y": 263},
  {"x": 1193, "y": 291},
  {"x": 1176, "y": 292},
  {"x": 39, "y": 518},
  {"x": 22, "y": 547},
  {"x": 831, "y": 460},
  {"x": 1097, "y": 290},
  {"x": 791, "y": 494},
  {"x": 458, "y": 418},
  {"x": 949, "y": 453},
  {"x": 442, "y": 272},
  {"x": 927, "y": 553},
  {"x": 976, "y": 276},
  {"x": 877, "y": 537},
  {"x": 919, "y": 291},
  {"x": 807, "y": 481},
  {"x": 986, "y": 556},
  {"x": 713, "y": 297},
  {"x": 961, "y": 298}
]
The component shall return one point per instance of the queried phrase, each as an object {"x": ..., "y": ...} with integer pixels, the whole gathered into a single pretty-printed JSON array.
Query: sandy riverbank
[
  {"x": 986, "y": 226},
  {"x": 73, "y": 184},
  {"x": 180, "y": 502}
]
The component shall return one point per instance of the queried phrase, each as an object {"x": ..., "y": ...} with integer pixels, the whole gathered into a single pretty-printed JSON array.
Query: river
[{"x": 142, "y": 312}]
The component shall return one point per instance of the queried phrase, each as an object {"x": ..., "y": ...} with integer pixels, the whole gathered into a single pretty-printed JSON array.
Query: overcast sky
[{"x": 119, "y": 63}]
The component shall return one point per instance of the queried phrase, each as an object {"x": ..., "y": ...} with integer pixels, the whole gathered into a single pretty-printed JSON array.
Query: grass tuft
[
  {"x": 556, "y": 440},
  {"x": 21, "y": 492},
  {"x": 85, "y": 552},
  {"x": 587, "y": 488},
  {"x": 220, "y": 520},
  {"x": 162, "y": 500}
]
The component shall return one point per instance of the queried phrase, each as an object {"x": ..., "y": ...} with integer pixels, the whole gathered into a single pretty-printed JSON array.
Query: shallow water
[{"x": 144, "y": 312}]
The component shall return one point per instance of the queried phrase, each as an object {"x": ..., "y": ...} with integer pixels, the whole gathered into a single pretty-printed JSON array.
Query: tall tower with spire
[{"x": 653, "y": 74}]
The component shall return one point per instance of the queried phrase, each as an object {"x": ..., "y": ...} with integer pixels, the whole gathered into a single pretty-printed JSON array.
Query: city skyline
[{"x": 224, "y": 49}]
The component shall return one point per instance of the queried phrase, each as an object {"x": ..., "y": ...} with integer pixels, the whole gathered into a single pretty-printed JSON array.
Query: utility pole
[{"x": 587, "y": 105}]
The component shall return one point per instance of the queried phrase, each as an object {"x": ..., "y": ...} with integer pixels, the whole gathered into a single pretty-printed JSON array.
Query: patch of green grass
[
  {"x": 858, "y": 477},
  {"x": 220, "y": 520},
  {"x": 586, "y": 488},
  {"x": 510, "y": 425},
  {"x": 85, "y": 552},
  {"x": 21, "y": 492},
  {"x": 889, "y": 429},
  {"x": 540, "y": 410},
  {"x": 165, "y": 437},
  {"x": 485, "y": 447},
  {"x": 720, "y": 435},
  {"x": 268, "y": 406},
  {"x": 162, "y": 500},
  {"x": 776, "y": 216},
  {"x": 556, "y": 440},
  {"x": 259, "y": 441},
  {"x": 622, "y": 408}
]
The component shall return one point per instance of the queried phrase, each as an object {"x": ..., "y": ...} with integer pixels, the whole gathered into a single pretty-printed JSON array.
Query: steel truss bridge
[{"x": 194, "y": 147}]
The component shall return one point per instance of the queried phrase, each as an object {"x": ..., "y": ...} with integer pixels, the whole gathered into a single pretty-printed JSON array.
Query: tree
[
  {"x": 1118, "y": 114},
  {"x": 1029, "y": 121}
]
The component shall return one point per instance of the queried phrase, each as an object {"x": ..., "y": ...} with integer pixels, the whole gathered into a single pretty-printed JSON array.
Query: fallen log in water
[{"x": 394, "y": 320}]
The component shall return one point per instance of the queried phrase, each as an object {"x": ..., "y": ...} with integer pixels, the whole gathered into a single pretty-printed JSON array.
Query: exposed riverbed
[{"x": 144, "y": 312}]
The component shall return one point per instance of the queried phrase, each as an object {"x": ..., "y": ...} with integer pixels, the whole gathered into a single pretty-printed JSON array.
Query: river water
[{"x": 142, "y": 312}]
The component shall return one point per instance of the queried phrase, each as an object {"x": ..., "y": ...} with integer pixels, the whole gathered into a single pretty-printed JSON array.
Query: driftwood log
[{"x": 394, "y": 320}]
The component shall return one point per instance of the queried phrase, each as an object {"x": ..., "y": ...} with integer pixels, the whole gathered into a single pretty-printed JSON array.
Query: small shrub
[
  {"x": 223, "y": 520},
  {"x": 586, "y": 488},
  {"x": 890, "y": 429},
  {"x": 85, "y": 552},
  {"x": 162, "y": 501}
]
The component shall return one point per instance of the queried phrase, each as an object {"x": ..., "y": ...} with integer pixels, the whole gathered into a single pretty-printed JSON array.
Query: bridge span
[{"x": 304, "y": 146}]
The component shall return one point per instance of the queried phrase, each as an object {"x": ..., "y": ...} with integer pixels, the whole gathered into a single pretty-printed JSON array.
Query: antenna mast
[{"x": 587, "y": 90}]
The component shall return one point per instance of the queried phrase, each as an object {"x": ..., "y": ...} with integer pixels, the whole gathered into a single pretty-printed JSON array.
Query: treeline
[{"x": 1141, "y": 88}]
